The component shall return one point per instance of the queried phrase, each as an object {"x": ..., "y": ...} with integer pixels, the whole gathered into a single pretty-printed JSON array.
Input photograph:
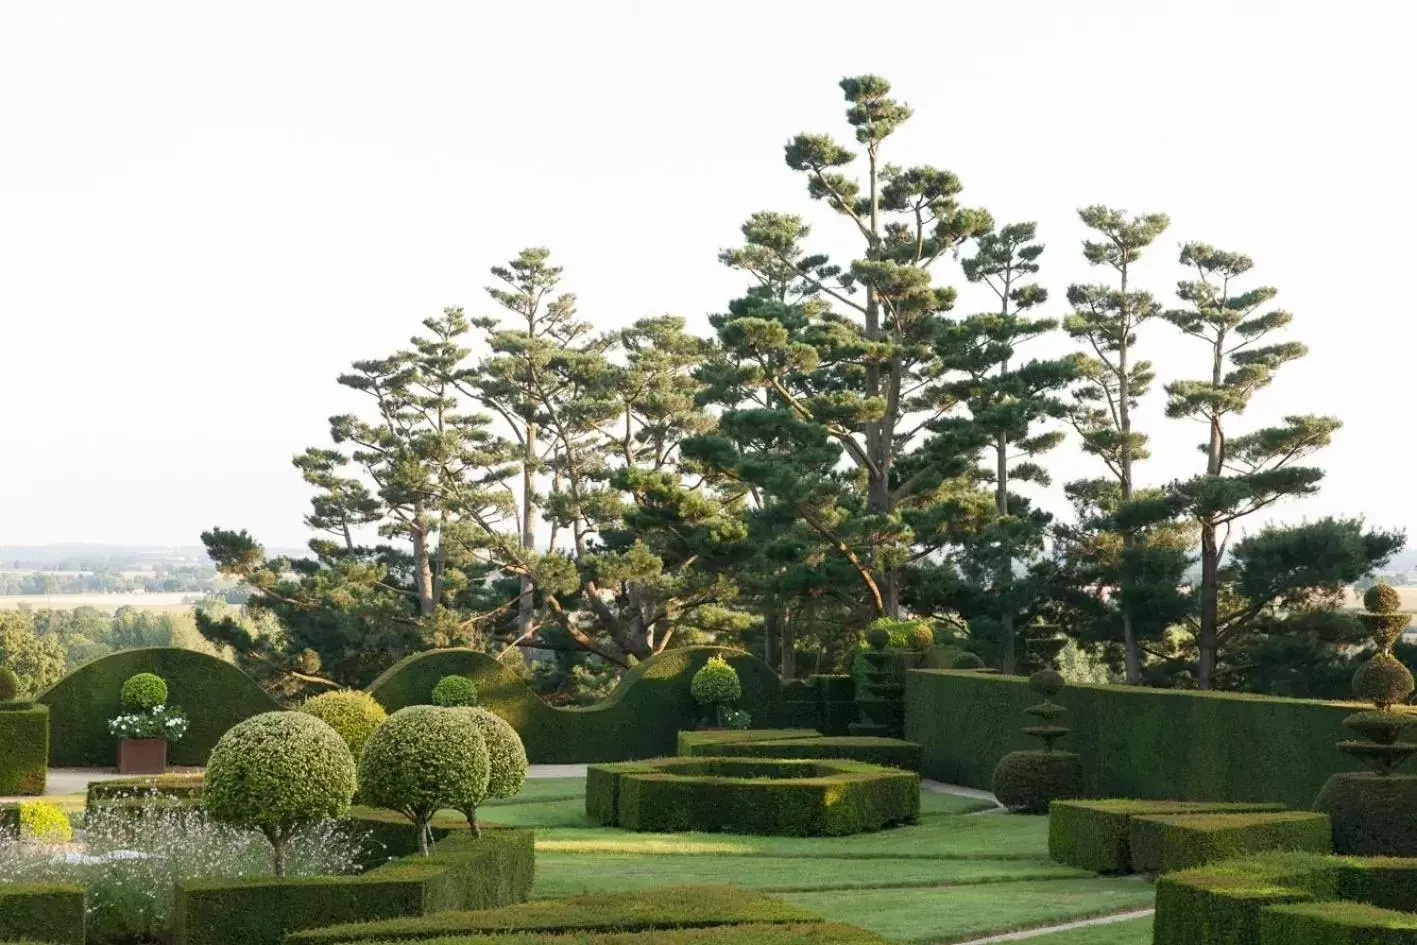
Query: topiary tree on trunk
[{"x": 1028, "y": 781}]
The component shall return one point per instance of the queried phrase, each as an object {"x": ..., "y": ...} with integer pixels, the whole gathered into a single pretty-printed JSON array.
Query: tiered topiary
[
  {"x": 506, "y": 761},
  {"x": 9, "y": 685},
  {"x": 716, "y": 687},
  {"x": 1028, "y": 781},
  {"x": 1374, "y": 812},
  {"x": 352, "y": 713},
  {"x": 881, "y": 708},
  {"x": 452, "y": 692}
]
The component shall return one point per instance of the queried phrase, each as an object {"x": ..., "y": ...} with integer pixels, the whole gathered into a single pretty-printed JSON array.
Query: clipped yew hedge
[
  {"x": 214, "y": 694},
  {"x": 52, "y": 913},
  {"x": 1134, "y": 742},
  {"x": 1096, "y": 835},
  {"x": 781, "y": 934},
  {"x": 640, "y": 719},
  {"x": 891, "y": 752},
  {"x": 24, "y": 749},
  {"x": 1166, "y": 843}
]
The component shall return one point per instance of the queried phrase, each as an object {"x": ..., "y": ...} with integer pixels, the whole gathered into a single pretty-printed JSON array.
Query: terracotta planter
[{"x": 142, "y": 756}]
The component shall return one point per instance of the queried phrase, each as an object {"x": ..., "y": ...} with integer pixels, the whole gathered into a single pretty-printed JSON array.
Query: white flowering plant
[{"x": 161, "y": 721}]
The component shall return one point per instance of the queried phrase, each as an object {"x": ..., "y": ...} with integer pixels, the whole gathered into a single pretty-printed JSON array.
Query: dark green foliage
[
  {"x": 771, "y": 797},
  {"x": 1336, "y": 923},
  {"x": 353, "y": 714},
  {"x": 890, "y": 752},
  {"x": 178, "y": 787},
  {"x": 1230, "y": 902},
  {"x": 143, "y": 691},
  {"x": 213, "y": 694},
  {"x": 9, "y": 684},
  {"x": 708, "y": 742},
  {"x": 781, "y": 934},
  {"x": 1026, "y": 782},
  {"x": 452, "y": 691},
  {"x": 640, "y": 719},
  {"x": 820, "y": 703},
  {"x": 968, "y": 661},
  {"x": 1383, "y": 681},
  {"x": 1163, "y": 843},
  {"x": 1096, "y": 835},
  {"x": 24, "y": 750},
  {"x": 663, "y": 907},
  {"x": 1272, "y": 749},
  {"x": 1373, "y": 814},
  {"x": 462, "y": 873},
  {"x": 1382, "y": 599},
  {"x": 50, "y": 913}
]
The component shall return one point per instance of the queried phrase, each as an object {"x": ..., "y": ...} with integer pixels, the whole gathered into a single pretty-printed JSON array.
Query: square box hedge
[
  {"x": 51, "y": 913},
  {"x": 1096, "y": 835},
  {"x": 24, "y": 748},
  {"x": 1163, "y": 844}
]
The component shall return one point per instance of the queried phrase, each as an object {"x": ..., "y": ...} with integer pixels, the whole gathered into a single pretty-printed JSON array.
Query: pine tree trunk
[
  {"x": 526, "y": 606},
  {"x": 1210, "y": 605},
  {"x": 423, "y": 566},
  {"x": 1130, "y": 645},
  {"x": 1009, "y": 657},
  {"x": 770, "y": 632},
  {"x": 789, "y": 648}
]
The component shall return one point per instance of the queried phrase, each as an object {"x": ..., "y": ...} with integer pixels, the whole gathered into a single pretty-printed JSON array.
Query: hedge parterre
[
  {"x": 891, "y": 752},
  {"x": 1096, "y": 835}
]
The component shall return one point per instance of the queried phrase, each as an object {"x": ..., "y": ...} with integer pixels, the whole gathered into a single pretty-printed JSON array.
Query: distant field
[
  {"x": 107, "y": 603},
  {"x": 1409, "y": 598}
]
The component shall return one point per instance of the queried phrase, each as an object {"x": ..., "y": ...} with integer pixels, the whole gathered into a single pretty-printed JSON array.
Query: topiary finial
[
  {"x": 453, "y": 692},
  {"x": 9, "y": 684},
  {"x": 144, "y": 691},
  {"x": 1385, "y": 682}
]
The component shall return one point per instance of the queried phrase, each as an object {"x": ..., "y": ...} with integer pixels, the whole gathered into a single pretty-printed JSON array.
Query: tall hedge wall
[
  {"x": 24, "y": 749},
  {"x": 1134, "y": 742},
  {"x": 214, "y": 694},
  {"x": 640, "y": 719}
]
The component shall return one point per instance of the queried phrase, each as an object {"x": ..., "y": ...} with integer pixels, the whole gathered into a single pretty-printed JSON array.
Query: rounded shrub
[
  {"x": 144, "y": 691},
  {"x": 454, "y": 691},
  {"x": 277, "y": 772},
  {"x": 1382, "y": 599},
  {"x": 424, "y": 758},
  {"x": 716, "y": 683},
  {"x": 878, "y": 638},
  {"x": 1383, "y": 681},
  {"x": 1028, "y": 781},
  {"x": 967, "y": 661},
  {"x": 920, "y": 637},
  {"x": 352, "y": 713},
  {"x": 44, "y": 822},
  {"x": 9, "y": 684},
  {"x": 506, "y": 760},
  {"x": 1047, "y": 683}
]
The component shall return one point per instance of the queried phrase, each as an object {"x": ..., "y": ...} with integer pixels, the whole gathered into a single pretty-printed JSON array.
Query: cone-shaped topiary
[
  {"x": 1028, "y": 781},
  {"x": 352, "y": 713},
  {"x": 9, "y": 684},
  {"x": 716, "y": 686},
  {"x": 144, "y": 691},
  {"x": 1374, "y": 813},
  {"x": 277, "y": 772},
  {"x": 506, "y": 760},
  {"x": 454, "y": 691}
]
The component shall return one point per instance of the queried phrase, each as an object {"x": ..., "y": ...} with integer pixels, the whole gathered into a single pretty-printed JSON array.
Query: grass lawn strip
[
  {"x": 1135, "y": 931},
  {"x": 818, "y": 934}
]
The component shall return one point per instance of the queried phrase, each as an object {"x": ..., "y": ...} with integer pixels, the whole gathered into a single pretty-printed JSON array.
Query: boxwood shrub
[
  {"x": 663, "y": 907},
  {"x": 1168, "y": 842},
  {"x": 773, "y": 797},
  {"x": 24, "y": 750},
  {"x": 51, "y": 913},
  {"x": 461, "y": 873},
  {"x": 214, "y": 694},
  {"x": 640, "y": 719},
  {"x": 177, "y": 787},
  {"x": 1096, "y": 835}
]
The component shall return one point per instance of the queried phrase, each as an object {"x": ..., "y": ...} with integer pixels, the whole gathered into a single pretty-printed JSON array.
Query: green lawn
[{"x": 956, "y": 875}]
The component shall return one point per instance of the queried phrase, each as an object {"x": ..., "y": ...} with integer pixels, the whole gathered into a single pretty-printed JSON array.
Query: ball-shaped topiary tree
[
  {"x": 506, "y": 761},
  {"x": 144, "y": 691},
  {"x": 422, "y": 759},
  {"x": 967, "y": 661},
  {"x": 1028, "y": 781},
  {"x": 716, "y": 686},
  {"x": 454, "y": 691},
  {"x": 277, "y": 772},
  {"x": 9, "y": 684},
  {"x": 352, "y": 713}
]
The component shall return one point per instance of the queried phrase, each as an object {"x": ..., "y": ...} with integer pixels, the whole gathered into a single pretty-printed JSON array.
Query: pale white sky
[{"x": 206, "y": 213}]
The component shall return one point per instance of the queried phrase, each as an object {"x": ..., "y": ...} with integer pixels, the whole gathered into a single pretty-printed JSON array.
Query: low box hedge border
[
  {"x": 463, "y": 872},
  {"x": 1095, "y": 835},
  {"x": 24, "y": 749},
  {"x": 774, "y": 797},
  {"x": 51, "y": 912},
  {"x": 814, "y": 934},
  {"x": 1166, "y": 843},
  {"x": 178, "y": 787},
  {"x": 890, "y": 752},
  {"x": 1336, "y": 923},
  {"x": 1226, "y": 903},
  {"x": 663, "y": 907},
  {"x": 704, "y": 742}
]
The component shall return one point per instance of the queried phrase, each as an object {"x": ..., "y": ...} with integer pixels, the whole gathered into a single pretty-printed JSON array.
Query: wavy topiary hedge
[
  {"x": 640, "y": 719},
  {"x": 24, "y": 749},
  {"x": 214, "y": 694}
]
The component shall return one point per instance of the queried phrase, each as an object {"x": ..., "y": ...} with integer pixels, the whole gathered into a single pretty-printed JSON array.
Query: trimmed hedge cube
[
  {"x": 1336, "y": 923},
  {"x": 1165, "y": 843},
  {"x": 177, "y": 787},
  {"x": 891, "y": 752},
  {"x": 50, "y": 912},
  {"x": 1095, "y": 835},
  {"x": 24, "y": 750}
]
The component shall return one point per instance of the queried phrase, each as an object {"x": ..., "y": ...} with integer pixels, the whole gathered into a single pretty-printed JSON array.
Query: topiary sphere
[
  {"x": 967, "y": 661},
  {"x": 1028, "y": 781},
  {"x": 353, "y": 714},
  {"x": 1047, "y": 682},
  {"x": 920, "y": 637},
  {"x": 277, "y": 772},
  {"x": 422, "y": 759},
  {"x": 878, "y": 639},
  {"x": 1382, "y": 599},
  {"x": 1383, "y": 681},
  {"x": 716, "y": 683},
  {"x": 144, "y": 691},
  {"x": 506, "y": 755},
  {"x": 9, "y": 684},
  {"x": 454, "y": 691}
]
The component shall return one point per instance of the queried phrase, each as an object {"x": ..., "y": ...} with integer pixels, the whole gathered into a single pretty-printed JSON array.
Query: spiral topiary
[
  {"x": 1028, "y": 781},
  {"x": 352, "y": 713},
  {"x": 9, "y": 684},
  {"x": 1374, "y": 812},
  {"x": 277, "y": 772},
  {"x": 967, "y": 661},
  {"x": 506, "y": 760},
  {"x": 716, "y": 686},
  {"x": 454, "y": 691},
  {"x": 143, "y": 692},
  {"x": 424, "y": 758}
]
